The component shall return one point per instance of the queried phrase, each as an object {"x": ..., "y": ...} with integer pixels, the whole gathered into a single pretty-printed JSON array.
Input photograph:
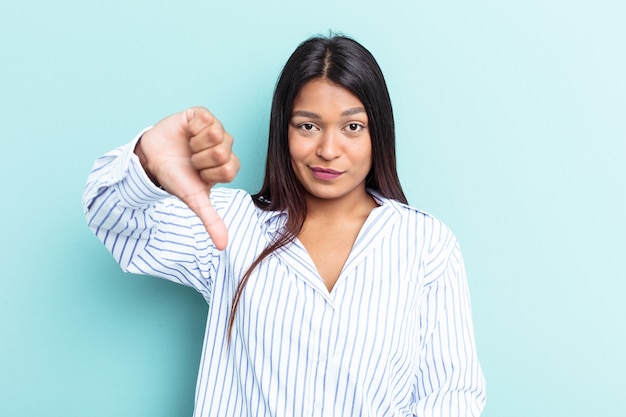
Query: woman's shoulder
[
  {"x": 219, "y": 194},
  {"x": 409, "y": 211},
  {"x": 233, "y": 204},
  {"x": 432, "y": 232},
  {"x": 226, "y": 200}
]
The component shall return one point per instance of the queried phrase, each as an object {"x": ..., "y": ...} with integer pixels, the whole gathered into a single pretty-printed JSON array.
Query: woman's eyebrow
[
  {"x": 307, "y": 114},
  {"x": 312, "y": 115},
  {"x": 352, "y": 111}
]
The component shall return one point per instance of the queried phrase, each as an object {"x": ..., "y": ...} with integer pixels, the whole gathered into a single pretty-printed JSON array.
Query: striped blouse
[{"x": 394, "y": 337}]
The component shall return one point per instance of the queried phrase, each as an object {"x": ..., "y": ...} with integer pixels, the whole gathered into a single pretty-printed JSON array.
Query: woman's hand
[{"x": 187, "y": 154}]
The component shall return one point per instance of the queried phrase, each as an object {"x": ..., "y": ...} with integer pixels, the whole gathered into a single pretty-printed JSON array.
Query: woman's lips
[{"x": 325, "y": 173}]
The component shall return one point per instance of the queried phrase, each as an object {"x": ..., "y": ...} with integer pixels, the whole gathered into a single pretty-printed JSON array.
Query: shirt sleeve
[
  {"x": 147, "y": 230},
  {"x": 450, "y": 381}
]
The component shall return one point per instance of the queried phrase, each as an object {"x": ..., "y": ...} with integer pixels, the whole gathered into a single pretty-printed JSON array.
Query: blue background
[{"x": 511, "y": 129}]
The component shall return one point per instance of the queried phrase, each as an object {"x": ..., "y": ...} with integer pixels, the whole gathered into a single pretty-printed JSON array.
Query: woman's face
[{"x": 329, "y": 141}]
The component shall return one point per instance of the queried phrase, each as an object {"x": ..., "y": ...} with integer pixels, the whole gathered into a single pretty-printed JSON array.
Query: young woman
[{"x": 328, "y": 294}]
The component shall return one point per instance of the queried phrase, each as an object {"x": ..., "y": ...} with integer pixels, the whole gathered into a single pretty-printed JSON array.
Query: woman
[{"x": 328, "y": 295}]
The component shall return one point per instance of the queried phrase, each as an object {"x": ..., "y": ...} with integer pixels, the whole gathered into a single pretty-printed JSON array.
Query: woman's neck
[{"x": 354, "y": 206}]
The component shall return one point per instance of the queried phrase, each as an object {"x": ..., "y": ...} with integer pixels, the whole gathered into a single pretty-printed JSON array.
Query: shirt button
[{"x": 323, "y": 357}]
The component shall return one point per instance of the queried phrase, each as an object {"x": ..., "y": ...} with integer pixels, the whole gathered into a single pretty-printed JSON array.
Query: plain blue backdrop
[{"x": 511, "y": 129}]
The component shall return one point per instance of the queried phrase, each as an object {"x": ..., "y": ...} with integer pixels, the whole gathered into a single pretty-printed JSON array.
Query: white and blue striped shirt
[{"x": 394, "y": 337}]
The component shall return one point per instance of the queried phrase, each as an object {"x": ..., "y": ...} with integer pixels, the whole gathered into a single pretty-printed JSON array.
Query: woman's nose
[{"x": 329, "y": 147}]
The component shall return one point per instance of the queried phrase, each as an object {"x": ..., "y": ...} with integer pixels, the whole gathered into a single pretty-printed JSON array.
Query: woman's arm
[
  {"x": 143, "y": 226},
  {"x": 147, "y": 231},
  {"x": 450, "y": 381}
]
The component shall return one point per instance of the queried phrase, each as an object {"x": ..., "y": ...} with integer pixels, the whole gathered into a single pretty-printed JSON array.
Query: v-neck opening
[{"x": 355, "y": 251}]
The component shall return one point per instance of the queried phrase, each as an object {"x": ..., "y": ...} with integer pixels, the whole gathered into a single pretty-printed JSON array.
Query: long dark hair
[{"x": 347, "y": 63}]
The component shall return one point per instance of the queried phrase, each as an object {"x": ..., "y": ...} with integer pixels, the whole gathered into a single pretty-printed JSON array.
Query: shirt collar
[
  {"x": 273, "y": 221},
  {"x": 387, "y": 203}
]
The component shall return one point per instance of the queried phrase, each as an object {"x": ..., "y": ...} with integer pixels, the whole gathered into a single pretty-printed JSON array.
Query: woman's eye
[
  {"x": 355, "y": 127},
  {"x": 307, "y": 126}
]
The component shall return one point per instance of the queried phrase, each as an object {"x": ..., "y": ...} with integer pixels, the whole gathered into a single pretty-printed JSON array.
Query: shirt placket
[{"x": 321, "y": 373}]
